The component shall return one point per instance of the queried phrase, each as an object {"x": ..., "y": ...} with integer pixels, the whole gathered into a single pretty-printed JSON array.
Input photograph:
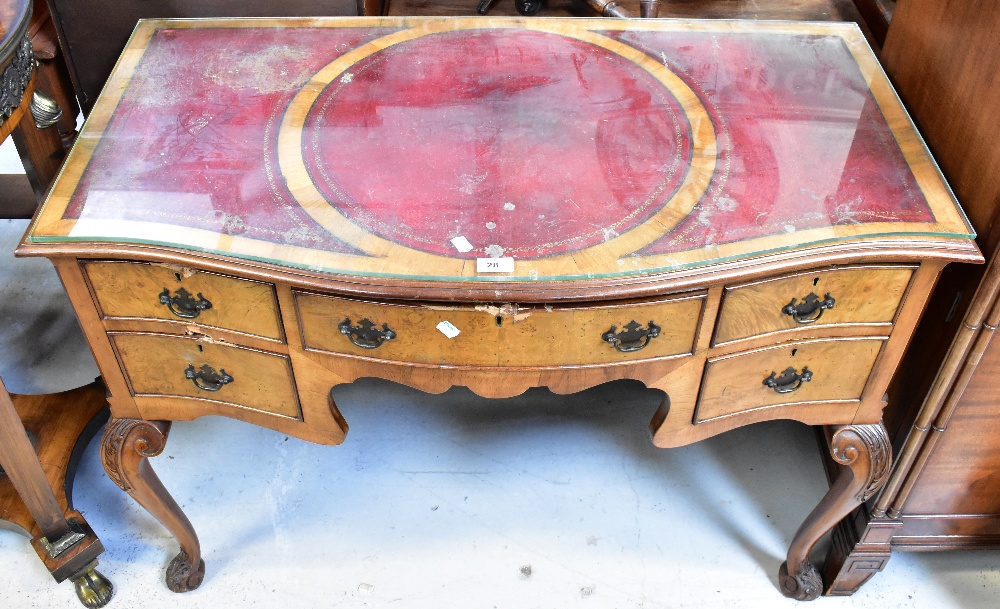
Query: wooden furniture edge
[{"x": 639, "y": 285}]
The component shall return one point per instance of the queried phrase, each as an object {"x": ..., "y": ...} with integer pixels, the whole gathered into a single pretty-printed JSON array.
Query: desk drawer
[
  {"x": 795, "y": 373},
  {"x": 153, "y": 291},
  {"x": 499, "y": 336},
  {"x": 164, "y": 365},
  {"x": 577, "y": 335},
  {"x": 851, "y": 295}
]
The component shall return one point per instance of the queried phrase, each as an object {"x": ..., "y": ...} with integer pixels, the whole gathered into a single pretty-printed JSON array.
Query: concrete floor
[{"x": 450, "y": 501}]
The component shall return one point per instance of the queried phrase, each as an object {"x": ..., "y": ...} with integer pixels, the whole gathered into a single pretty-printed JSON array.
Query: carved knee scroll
[
  {"x": 128, "y": 441},
  {"x": 866, "y": 454},
  {"x": 853, "y": 444},
  {"x": 127, "y": 445}
]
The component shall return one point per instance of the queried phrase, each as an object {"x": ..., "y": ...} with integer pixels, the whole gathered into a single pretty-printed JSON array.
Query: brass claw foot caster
[
  {"x": 181, "y": 574},
  {"x": 93, "y": 589},
  {"x": 807, "y": 584}
]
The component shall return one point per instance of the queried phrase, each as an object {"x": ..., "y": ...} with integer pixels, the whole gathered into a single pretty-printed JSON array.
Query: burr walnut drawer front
[
  {"x": 165, "y": 365},
  {"x": 500, "y": 336},
  {"x": 155, "y": 291},
  {"x": 794, "y": 373},
  {"x": 848, "y": 295}
]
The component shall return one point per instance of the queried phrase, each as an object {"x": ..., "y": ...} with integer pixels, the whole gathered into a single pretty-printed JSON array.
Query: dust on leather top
[{"x": 578, "y": 148}]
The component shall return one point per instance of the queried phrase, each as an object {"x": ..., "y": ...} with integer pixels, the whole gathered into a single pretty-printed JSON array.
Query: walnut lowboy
[{"x": 206, "y": 285}]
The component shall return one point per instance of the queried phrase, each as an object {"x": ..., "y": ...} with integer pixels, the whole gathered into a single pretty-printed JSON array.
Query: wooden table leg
[
  {"x": 26, "y": 473},
  {"x": 41, "y": 151},
  {"x": 865, "y": 455},
  {"x": 34, "y": 487},
  {"x": 125, "y": 452}
]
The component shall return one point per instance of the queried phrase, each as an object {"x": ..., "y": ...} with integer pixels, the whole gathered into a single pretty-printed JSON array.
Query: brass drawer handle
[
  {"x": 789, "y": 381},
  {"x": 183, "y": 304},
  {"x": 207, "y": 378},
  {"x": 810, "y": 309},
  {"x": 633, "y": 336},
  {"x": 365, "y": 334}
]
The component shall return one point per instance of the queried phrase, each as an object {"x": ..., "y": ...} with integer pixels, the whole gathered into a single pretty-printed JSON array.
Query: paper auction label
[
  {"x": 448, "y": 329},
  {"x": 494, "y": 265},
  {"x": 462, "y": 244}
]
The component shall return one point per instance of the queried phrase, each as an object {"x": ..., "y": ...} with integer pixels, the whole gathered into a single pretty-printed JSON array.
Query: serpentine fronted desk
[{"x": 738, "y": 214}]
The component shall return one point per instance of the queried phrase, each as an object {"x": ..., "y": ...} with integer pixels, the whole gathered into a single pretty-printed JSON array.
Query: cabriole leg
[
  {"x": 127, "y": 446},
  {"x": 864, "y": 453}
]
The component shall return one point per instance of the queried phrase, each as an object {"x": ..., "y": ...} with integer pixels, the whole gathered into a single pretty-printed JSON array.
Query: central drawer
[{"x": 500, "y": 336}]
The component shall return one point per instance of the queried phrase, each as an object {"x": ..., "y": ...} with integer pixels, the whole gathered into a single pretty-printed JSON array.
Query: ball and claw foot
[
  {"x": 93, "y": 589},
  {"x": 181, "y": 574},
  {"x": 807, "y": 584}
]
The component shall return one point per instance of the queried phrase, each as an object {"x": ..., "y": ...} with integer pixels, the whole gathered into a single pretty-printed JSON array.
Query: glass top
[{"x": 546, "y": 149}]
